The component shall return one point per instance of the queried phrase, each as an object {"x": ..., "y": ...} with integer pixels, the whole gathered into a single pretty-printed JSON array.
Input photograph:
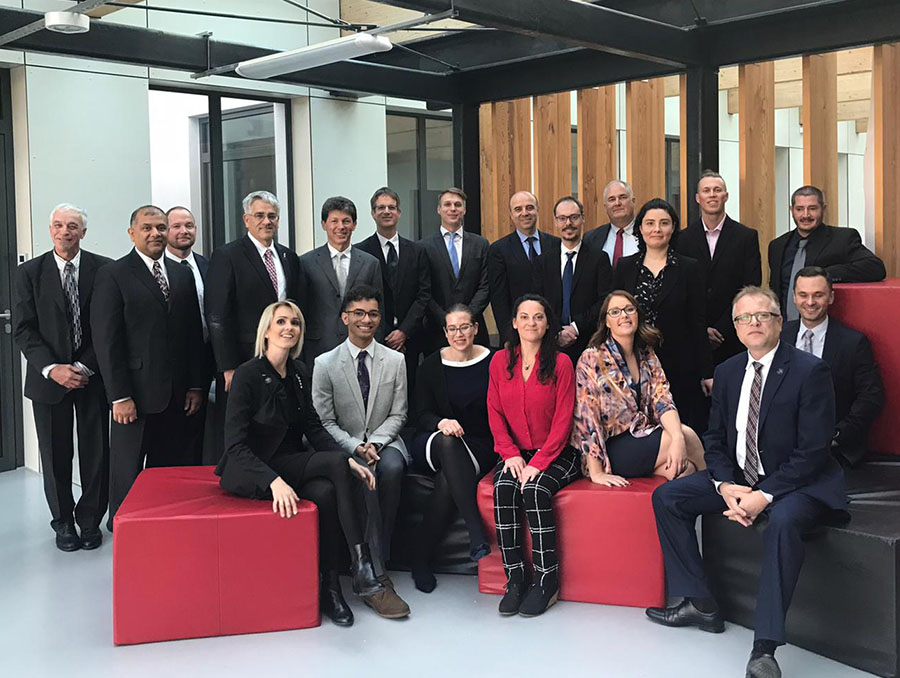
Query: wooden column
[
  {"x": 820, "y": 116},
  {"x": 885, "y": 125},
  {"x": 597, "y": 150},
  {"x": 687, "y": 191},
  {"x": 553, "y": 154},
  {"x": 756, "y": 105},
  {"x": 645, "y": 145}
]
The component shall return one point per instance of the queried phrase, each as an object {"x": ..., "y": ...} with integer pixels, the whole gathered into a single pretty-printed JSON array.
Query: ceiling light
[
  {"x": 319, "y": 54},
  {"x": 67, "y": 22}
]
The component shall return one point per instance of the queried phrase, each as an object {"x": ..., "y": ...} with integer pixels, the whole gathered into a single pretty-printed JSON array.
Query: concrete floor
[{"x": 57, "y": 621}]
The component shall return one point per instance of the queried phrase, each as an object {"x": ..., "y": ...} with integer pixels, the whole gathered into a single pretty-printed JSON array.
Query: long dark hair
[
  {"x": 656, "y": 204},
  {"x": 549, "y": 349},
  {"x": 646, "y": 335}
]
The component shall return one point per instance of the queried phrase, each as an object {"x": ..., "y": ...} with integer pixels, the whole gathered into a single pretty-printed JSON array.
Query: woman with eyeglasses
[
  {"x": 269, "y": 412},
  {"x": 453, "y": 438},
  {"x": 671, "y": 291},
  {"x": 531, "y": 395},
  {"x": 626, "y": 424}
]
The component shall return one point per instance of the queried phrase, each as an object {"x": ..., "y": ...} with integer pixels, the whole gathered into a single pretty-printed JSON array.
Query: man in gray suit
[
  {"x": 330, "y": 271},
  {"x": 359, "y": 392}
]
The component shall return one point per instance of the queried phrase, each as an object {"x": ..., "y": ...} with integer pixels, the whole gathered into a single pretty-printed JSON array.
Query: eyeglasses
[
  {"x": 359, "y": 314},
  {"x": 565, "y": 218},
  {"x": 761, "y": 317},
  {"x": 616, "y": 312},
  {"x": 453, "y": 329},
  {"x": 262, "y": 216},
  {"x": 386, "y": 208}
]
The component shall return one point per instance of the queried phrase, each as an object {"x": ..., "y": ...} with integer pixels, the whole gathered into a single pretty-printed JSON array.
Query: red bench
[
  {"x": 606, "y": 538},
  {"x": 190, "y": 560}
]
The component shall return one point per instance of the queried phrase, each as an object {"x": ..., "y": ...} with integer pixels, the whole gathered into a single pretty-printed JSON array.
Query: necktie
[
  {"x": 799, "y": 262},
  {"x": 362, "y": 374},
  {"x": 807, "y": 341},
  {"x": 71, "y": 290},
  {"x": 454, "y": 257},
  {"x": 269, "y": 261},
  {"x": 532, "y": 252},
  {"x": 392, "y": 263},
  {"x": 751, "y": 461},
  {"x": 184, "y": 262},
  {"x": 163, "y": 285},
  {"x": 339, "y": 272},
  {"x": 618, "y": 249},
  {"x": 567, "y": 277}
]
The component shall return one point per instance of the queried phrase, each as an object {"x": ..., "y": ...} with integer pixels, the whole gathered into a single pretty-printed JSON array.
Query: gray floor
[{"x": 57, "y": 621}]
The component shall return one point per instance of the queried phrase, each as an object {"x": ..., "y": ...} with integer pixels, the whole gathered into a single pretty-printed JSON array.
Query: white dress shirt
[
  {"x": 395, "y": 241},
  {"x": 818, "y": 338},
  {"x": 563, "y": 259},
  {"x": 61, "y": 265},
  {"x": 712, "y": 236},
  {"x": 148, "y": 262},
  {"x": 629, "y": 242},
  {"x": 355, "y": 351},
  {"x": 457, "y": 242},
  {"x": 344, "y": 263},
  {"x": 536, "y": 242},
  {"x": 198, "y": 282},
  {"x": 279, "y": 269}
]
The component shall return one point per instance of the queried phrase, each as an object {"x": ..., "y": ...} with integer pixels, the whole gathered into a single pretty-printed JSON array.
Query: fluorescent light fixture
[
  {"x": 319, "y": 54},
  {"x": 67, "y": 22}
]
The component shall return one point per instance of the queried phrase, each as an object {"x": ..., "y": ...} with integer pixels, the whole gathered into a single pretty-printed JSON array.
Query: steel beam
[
  {"x": 467, "y": 161},
  {"x": 702, "y": 122}
]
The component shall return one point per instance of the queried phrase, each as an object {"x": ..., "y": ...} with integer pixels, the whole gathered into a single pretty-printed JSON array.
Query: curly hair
[{"x": 549, "y": 348}]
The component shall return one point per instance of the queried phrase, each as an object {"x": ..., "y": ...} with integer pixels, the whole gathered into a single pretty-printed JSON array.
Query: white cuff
[
  {"x": 85, "y": 370},
  {"x": 46, "y": 371}
]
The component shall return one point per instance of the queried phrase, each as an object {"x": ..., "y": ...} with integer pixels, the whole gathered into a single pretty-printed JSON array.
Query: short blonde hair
[
  {"x": 756, "y": 291},
  {"x": 266, "y": 319}
]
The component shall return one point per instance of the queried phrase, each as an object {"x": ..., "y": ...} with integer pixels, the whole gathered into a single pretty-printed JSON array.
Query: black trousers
[
  {"x": 382, "y": 505},
  {"x": 85, "y": 408}
]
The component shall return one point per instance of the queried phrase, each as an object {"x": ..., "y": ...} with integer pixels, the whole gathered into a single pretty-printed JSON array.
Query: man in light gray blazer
[
  {"x": 330, "y": 271},
  {"x": 359, "y": 392}
]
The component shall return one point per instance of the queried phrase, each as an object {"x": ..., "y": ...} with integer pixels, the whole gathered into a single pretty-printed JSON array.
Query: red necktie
[{"x": 617, "y": 250}]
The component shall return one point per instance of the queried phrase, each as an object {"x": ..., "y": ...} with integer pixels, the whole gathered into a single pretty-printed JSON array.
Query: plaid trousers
[{"x": 536, "y": 498}]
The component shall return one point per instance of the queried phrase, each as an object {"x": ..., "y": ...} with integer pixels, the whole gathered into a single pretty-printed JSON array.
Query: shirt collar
[
  {"x": 259, "y": 246},
  {"x": 147, "y": 260},
  {"x": 564, "y": 250},
  {"x": 717, "y": 228},
  {"x": 61, "y": 263},
  {"x": 356, "y": 350},
  {"x": 445, "y": 232},
  {"x": 395, "y": 240},
  {"x": 189, "y": 258},
  {"x": 629, "y": 229},
  {"x": 818, "y": 331},
  {"x": 536, "y": 235},
  {"x": 333, "y": 252},
  {"x": 766, "y": 360}
]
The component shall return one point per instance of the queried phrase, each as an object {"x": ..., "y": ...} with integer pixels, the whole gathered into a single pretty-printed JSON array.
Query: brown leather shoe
[{"x": 387, "y": 603}]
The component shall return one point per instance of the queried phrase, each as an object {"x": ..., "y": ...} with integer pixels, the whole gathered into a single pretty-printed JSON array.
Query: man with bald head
[
  {"x": 149, "y": 343},
  {"x": 617, "y": 237},
  {"x": 62, "y": 378},
  {"x": 516, "y": 262}
]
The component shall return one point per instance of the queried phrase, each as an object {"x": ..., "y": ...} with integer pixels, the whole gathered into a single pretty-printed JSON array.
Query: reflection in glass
[{"x": 403, "y": 170}]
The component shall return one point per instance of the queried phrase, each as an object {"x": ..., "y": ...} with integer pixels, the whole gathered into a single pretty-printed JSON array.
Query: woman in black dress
[
  {"x": 453, "y": 438},
  {"x": 269, "y": 411}
]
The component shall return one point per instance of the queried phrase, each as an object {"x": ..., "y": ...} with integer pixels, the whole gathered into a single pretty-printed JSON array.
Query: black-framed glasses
[
  {"x": 262, "y": 216},
  {"x": 616, "y": 312},
  {"x": 565, "y": 218},
  {"x": 760, "y": 317},
  {"x": 464, "y": 328},
  {"x": 359, "y": 314}
]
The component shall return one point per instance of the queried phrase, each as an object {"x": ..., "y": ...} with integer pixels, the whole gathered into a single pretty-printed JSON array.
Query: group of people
[{"x": 620, "y": 349}]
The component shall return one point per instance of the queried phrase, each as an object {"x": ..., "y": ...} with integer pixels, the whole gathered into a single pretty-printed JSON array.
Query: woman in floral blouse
[{"x": 626, "y": 424}]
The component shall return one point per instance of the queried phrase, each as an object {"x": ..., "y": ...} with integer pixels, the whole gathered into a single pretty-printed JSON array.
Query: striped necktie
[{"x": 751, "y": 461}]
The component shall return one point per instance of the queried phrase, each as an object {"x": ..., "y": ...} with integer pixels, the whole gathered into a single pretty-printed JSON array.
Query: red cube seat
[
  {"x": 606, "y": 540},
  {"x": 191, "y": 560}
]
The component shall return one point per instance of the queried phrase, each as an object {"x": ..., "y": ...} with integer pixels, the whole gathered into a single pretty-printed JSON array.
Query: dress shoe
[
  {"x": 67, "y": 538},
  {"x": 331, "y": 600},
  {"x": 387, "y": 603},
  {"x": 539, "y": 597},
  {"x": 423, "y": 578},
  {"x": 685, "y": 614},
  {"x": 362, "y": 573},
  {"x": 763, "y": 666},
  {"x": 91, "y": 538},
  {"x": 512, "y": 599}
]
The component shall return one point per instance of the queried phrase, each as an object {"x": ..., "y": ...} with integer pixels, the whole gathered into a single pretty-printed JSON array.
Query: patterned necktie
[
  {"x": 163, "y": 285},
  {"x": 799, "y": 262},
  {"x": 393, "y": 263},
  {"x": 532, "y": 252},
  {"x": 619, "y": 247},
  {"x": 567, "y": 278},
  {"x": 807, "y": 341},
  {"x": 751, "y": 461},
  {"x": 362, "y": 374},
  {"x": 339, "y": 272},
  {"x": 71, "y": 290},
  {"x": 454, "y": 258},
  {"x": 269, "y": 261}
]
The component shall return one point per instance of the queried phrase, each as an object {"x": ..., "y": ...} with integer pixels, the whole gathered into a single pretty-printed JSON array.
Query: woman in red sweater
[{"x": 531, "y": 397}]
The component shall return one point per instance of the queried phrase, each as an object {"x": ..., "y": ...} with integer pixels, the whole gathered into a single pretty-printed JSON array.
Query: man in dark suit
[
  {"x": 181, "y": 236},
  {"x": 330, "y": 271},
  {"x": 406, "y": 280},
  {"x": 149, "y": 343},
  {"x": 767, "y": 453},
  {"x": 516, "y": 261},
  {"x": 244, "y": 277},
  {"x": 859, "y": 393},
  {"x": 53, "y": 331},
  {"x": 729, "y": 253},
  {"x": 579, "y": 282},
  {"x": 617, "y": 238},
  {"x": 838, "y": 250},
  {"x": 458, "y": 263}
]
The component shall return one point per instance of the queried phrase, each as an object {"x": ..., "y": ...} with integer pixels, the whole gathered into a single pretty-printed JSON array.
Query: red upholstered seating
[
  {"x": 874, "y": 310},
  {"x": 190, "y": 560},
  {"x": 608, "y": 547}
]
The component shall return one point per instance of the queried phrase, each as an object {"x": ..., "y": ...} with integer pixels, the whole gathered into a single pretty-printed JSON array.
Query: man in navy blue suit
[{"x": 768, "y": 462}]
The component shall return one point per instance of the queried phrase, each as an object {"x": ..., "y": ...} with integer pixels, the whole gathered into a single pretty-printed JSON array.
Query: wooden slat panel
[
  {"x": 819, "y": 117},
  {"x": 886, "y": 128},
  {"x": 645, "y": 139},
  {"x": 687, "y": 192},
  {"x": 488, "y": 158},
  {"x": 597, "y": 149},
  {"x": 757, "y": 151},
  {"x": 553, "y": 153}
]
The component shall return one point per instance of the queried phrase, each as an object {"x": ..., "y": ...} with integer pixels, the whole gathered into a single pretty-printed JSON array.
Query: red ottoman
[
  {"x": 190, "y": 560},
  {"x": 606, "y": 538}
]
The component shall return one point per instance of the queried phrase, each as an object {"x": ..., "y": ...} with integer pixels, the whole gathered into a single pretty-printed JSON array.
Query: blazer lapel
[
  {"x": 374, "y": 378},
  {"x": 670, "y": 281},
  {"x": 323, "y": 255},
  {"x": 288, "y": 274},
  {"x": 355, "y": 267},
  {"x": 143, "y": 274},
  {"x": 53, "y": 283},
  {"x": 777, "y": 372},
  {"x": 829, "y": 351},
  {"x": 466, "y": 256},
  {"x": 817, "y": 241},
  {"x": 723, "y": 243},
  {"x": 256, "y": 263},
  {"x": 86, "y": 280},
  {"x": 444, "y": 254}
]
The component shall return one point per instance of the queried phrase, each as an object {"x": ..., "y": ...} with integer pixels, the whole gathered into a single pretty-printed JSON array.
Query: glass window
[
  {"x": 403, "y": 170},
  {"x": 673, "y": 174}
]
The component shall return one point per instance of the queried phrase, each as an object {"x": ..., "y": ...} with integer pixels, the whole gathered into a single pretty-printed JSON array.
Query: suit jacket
[
  {"x": 591, "y": 284},
  {"x": 147, "y": 348},
  {"x": 257, "y": 421},
  {"x": 511, "y": 274},
  {"x": 324, "y": 327},
  {"x": 237, "y": 290},
  {"x": 339, "y": 402},
  {"x": 796, "y": 420},
  {"x": 596, "y": 237},
  {"x": 471, "y": 287},
  {"x": 735, "y": 264},
  {"x": 43, "y": 330},
  {"x": 838, "y": 250},
  {"x": 203, "y": 268},
  {"x": 858, "y": 391},
  {"x": 408, "y": 302}
]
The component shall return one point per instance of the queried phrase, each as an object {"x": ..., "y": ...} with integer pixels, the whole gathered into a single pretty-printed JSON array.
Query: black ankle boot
[
  {"x": 540, "y": 596},
  {"x": 331, "y": 600},
  {"x": 515, "y": 591},
  {"x": 362, "y": 573}
]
